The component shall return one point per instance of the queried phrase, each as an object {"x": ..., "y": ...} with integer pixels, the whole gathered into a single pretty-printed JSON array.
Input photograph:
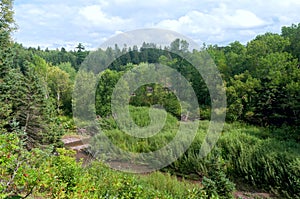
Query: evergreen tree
[
  {"x": 6, "y": 59},
  {"x": 22, "y": 94},
  {"x": 6, "y": 28}
]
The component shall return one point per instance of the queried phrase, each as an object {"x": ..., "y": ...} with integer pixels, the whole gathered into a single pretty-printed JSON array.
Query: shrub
[{"x": 266, "y": 163}]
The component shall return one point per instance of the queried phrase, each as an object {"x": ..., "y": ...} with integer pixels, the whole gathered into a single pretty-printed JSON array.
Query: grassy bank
[{"x": 261, "y": 157}]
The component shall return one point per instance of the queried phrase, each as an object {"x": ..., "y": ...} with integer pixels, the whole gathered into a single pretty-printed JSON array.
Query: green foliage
[
  {"x": 262, "y": 157},
  {"x": 57, "y": 57},
  {"x": 170, "y": 185},
  {"x": 57, "y": 82},
  {"x": 292, "y": 33},
  {"x": 60, "y": 86},
  {"x": 217, "y": 173},
  {"x": 261, "y": 161},
  {"x": 140, "y": 116},
  {"x": 211, "y": 170},
  {"x": 41, "y": 174},
  {"x": 23, "y": 92},
  {"x": 212, "y": 167},
  {"x": 61, "y": 175},
  {"x": 80, "y": 55},
  {"x": 29, "y": 108},
  {"x": 262, "y": 85},
  {"x": 6, "y": 28},
  {"x": 104, "y": 91},
  {"x": 83, "y": 99},
  {"x": 241, "y": 97},
  {"x": 67, "y": 123},
  {"x": 149, "y": 94},
  {"x": 242, "y": 152},
  {"x": 6, "y": 59},
  {"x": 67, "y": 67},
  {"x": 20, "y": 169}
]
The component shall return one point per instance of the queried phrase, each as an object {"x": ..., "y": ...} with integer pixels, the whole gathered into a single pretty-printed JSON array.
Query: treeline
[
  {"x": 53, "y": 57},
  {"x": 262, "y": 87},
  {"x": 261, "y": 77}
]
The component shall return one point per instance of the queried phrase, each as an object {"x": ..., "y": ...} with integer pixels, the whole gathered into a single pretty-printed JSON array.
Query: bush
[
  {"x": 20, "y": 169},
  {"x": 265, "y": 163},
  {"x": 210, "y": 170}
]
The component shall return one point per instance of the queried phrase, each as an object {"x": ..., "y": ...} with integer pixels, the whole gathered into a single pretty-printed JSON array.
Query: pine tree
[
  {"x": 6, "y": 28},
  {"x": 6, "y": 59},
  {"x": 22, "y": 94}
]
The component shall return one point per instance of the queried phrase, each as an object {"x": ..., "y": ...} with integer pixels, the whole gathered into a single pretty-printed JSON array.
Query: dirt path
[
  {"x": 250, "y": 195},
  {"x": 79, "y": 144}
]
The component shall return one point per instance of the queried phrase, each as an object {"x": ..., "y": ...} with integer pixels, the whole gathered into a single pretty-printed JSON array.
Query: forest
[{"x": 259, "y": 146}]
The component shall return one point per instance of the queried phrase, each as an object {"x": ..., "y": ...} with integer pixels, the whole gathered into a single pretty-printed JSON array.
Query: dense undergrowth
[
  {"x": 261, "y": 80},
  {"x": 265, "y": 158},
  {"x": 38, "y": 173},
  {"x": 251, "y": 155}
]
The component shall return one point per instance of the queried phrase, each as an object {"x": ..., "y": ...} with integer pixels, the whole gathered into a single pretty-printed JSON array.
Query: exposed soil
[
  {"x": 128, "y": 166},
  {"x": 79, "y": 144},
  {"x": 75, "y": 141},
  {"x": 250, "y": 195}
]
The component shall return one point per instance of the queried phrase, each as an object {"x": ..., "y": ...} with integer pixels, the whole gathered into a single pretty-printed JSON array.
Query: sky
[{"x": 65, "y": 23}]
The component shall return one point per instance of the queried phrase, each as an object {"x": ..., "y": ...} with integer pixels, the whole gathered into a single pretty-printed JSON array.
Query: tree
[
  {"x": 80, "y": 54},
  {"x": 30, "y": 108},
  {"x": 59, "y": 84},
  {"x": 235, "y": 55},
  {"x": 107, "y": 82},
  {"x": 83, "y": 98},
  {"x": 276, "y": 71},
  {"x": 175, "y": 46},
  {"x": 80, "y": 47},
  {"x": 241, "y": 97},
  {"x": 6, "y": 60},
  {"x": 56, "y": 57},
  {"x": 134, "y": 54},
  {"x": 67, "y": 67},
  {"x": 125, "y": 58},
  {"x": 6, "y": 28},
  {"x": 293, "y": 34},
  {"x": 22, "y": 93},
  {"x": 263, "y": 45}
]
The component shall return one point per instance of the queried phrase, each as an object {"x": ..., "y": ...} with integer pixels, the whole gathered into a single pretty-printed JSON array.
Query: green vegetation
[
  {"x": 255, "y": 155},
  {"x": 259, "y": 146},
  {"x": 41, "y": 174},
  {"x": 140, "y": 145}
]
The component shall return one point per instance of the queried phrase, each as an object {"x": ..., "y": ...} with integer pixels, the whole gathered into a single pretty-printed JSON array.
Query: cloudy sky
[{"x": 65, "y": 23}]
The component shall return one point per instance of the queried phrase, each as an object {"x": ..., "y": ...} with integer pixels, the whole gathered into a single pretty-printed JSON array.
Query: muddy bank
[{"x": 80, "y": 144}]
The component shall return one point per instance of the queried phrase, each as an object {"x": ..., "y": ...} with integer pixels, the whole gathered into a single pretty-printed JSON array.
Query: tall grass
[
  {"x": 267, "y": 163},
  {"x": 253, "y": 154},
  {"x": 130, "y": 143}
]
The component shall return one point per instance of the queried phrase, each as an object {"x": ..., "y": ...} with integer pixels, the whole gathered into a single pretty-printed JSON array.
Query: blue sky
[{"x": 65, "y": 23}]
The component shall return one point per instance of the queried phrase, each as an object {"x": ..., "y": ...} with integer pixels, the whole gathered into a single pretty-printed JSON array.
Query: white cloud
[
  {"x": 92, "y": 21},
  {"x": 96, "y": 17},
  {"x": 214, "y": 23},
  {"x": 243, "y": 19},
  {"x": 222, "y": 24}
]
